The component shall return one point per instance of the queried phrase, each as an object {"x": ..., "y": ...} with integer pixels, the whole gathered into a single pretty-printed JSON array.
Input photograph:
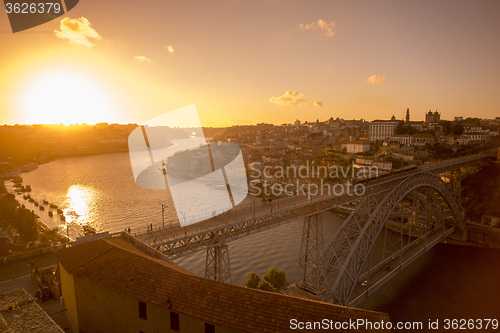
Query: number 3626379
[{"x": 33, "y": 8}]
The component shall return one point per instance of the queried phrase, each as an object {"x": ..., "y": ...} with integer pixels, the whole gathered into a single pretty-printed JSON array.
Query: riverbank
[
  {"x": 24, "y": 228},
  {"x": 16, "y": 170}
]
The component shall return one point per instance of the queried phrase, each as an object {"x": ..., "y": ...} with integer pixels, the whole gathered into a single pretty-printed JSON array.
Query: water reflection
[{"x": 80, "y": 201}]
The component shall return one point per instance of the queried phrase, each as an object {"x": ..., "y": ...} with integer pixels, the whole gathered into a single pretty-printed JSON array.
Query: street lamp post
[{"x": 163, "y": 215}]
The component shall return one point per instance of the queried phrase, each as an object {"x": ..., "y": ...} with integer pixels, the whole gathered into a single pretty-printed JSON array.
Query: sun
[{"x": 66, "y": 98}]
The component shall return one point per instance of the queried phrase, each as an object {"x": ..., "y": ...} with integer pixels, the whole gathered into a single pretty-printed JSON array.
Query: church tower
[{"x": 408, "y": 115}]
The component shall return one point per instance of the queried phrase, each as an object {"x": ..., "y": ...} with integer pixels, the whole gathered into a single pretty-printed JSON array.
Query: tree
[
  {"x": 252, "y": 281},
  {"x": 274, "y": 281},
  {"x": 266, "y": 286},
  {"x": 458, "y": 129},
  {"x": 446, "y": 124},
  {"x": 277, "y": 279},
  {"x": 401, "y": 129}
]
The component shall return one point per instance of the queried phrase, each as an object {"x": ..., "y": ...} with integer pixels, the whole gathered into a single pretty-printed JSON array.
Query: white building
[
  {"x": 371, "y": 165},
  {"x": 476, "y": 129},
  {"x": 422, "y": 139},
  {"x": 477, "y": 137},
  {"x": 354, "y": 147},
  {"x": 403, "y": 139},
  {"x": 383, "y": 165},
  {"x": 382, "y": 129}
]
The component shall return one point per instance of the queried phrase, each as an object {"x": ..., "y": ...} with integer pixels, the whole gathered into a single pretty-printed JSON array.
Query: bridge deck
[
  {"x": 377, "y": 276},
  {"x": 255, "y": 216}
]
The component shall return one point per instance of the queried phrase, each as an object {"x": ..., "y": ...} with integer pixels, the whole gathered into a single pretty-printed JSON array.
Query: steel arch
[{"x": 349, "y": 248}]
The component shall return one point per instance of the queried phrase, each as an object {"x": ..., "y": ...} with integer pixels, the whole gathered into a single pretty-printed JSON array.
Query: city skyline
[{"x": 247, "y": 63}]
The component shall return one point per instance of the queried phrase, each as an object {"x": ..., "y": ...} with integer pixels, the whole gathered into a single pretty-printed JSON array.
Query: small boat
[
  {"x": 29, "y": 167},
  {"x": 41, "y": 208},
  {"x": 45, "y": 202},
  {"x": 53, "y": 205},
  {"x": 51, "y": 214},
  {"x": 60, "y": 211},
  {"x": 63, "y": 218},
  {"x": 36, "y": 203}
]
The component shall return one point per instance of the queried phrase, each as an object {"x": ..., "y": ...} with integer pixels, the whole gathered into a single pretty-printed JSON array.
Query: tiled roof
[
  {"x": 20, "y": 313},
  {"x": 116, "y": 264}
]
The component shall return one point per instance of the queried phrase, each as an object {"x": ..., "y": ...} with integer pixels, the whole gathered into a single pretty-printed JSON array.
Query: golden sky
[{"x": 244, "y": 62}]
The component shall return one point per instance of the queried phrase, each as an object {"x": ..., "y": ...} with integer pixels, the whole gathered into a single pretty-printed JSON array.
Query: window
[
  {"x": 143, "y": 313},
  {"x": 174, "y": 321},
  {"x": 209, "y": 328}
]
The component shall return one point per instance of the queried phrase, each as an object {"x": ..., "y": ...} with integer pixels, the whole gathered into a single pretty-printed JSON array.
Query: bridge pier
[
  {"x": 217, "y": 266},
  {"x": 311, "y": 250},
  {"x": 456, "y": 184}
]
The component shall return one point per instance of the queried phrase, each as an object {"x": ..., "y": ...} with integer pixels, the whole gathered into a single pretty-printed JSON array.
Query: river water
[{"x": 447, "y": 282}]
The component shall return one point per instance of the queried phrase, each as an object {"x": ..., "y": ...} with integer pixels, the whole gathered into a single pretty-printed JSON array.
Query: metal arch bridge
[{"x": 334, "y": 273}]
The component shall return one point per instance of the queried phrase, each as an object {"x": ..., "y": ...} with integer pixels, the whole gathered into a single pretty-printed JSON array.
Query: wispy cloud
[
  {"x": 318, "y": 104},
  {"x": 289, "y": 98},
  {"x": 321, "y": 25},
  {"x": 376, "y": 79},
  {"x": 77, "y": 31},
  {"x": 170, "y": 49},
  {"x": 142, "y": 59}
]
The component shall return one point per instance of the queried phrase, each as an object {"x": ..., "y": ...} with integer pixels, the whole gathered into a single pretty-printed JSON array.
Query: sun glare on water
[
  {"x": 65, "y": 98},
  {"x": 80, "y": 201}
]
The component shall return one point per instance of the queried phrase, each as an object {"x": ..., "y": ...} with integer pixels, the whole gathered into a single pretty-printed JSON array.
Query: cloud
[
  {"x": 77, "y": 31},
  {"x": 318, "y": 104},
  {"x": 321, "y": 25},
  {"x": 289, "y": 98},
  {"x": 142, "y": 59},
  {"x": 376, "y": 79},
  {"x": 170, "y": 49}
]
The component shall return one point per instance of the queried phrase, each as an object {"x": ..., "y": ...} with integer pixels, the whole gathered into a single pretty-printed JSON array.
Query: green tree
[
  {"x": 446, "y": 124},
  {"x": 266, "y": 286},
  {"x": 458, "y": 129},
  {"x": 274, "y": 281},
  {"x": 401, "y": 128},
  {"x": 277, "y": 279},
  {"x": 252, "y": 281}
]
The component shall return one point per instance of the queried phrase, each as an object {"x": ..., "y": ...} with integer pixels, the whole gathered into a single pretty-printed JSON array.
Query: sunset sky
[{"x": 244, "y": 62}]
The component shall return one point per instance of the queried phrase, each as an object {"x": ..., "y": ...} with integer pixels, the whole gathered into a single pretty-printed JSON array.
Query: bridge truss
[{"x": 406, "y": 220}]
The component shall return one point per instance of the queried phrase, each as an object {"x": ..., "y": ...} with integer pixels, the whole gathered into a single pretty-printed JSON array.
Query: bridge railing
[{"x": 236, "y": 217}]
